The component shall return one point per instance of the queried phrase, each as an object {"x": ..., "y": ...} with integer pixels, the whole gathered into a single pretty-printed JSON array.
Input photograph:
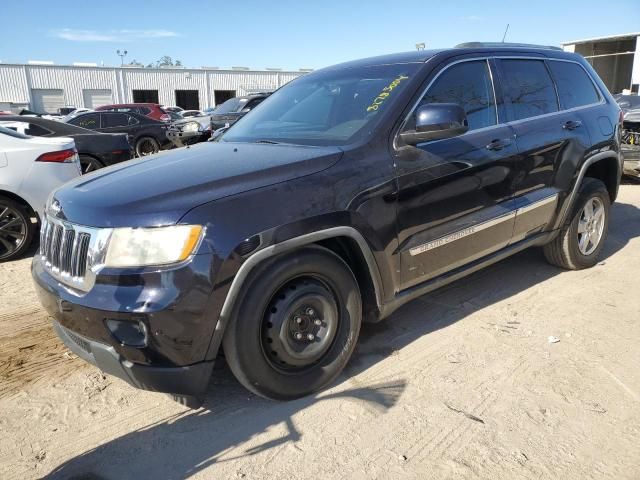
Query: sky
[{"x": 287, "y": 34}]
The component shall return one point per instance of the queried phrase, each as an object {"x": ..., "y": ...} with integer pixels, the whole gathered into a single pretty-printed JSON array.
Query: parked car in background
[
  {"x": 96, "y": 150},
  {"x": 174, "y": 116},
  {"x": 630, "y": 105},
  {"x": 348, "y": 193},
  {"x": 30, "y": 169},
  {"x": 198, "y": 129},
  {"x": 151, "y": 110},
  {"x": 172, "y": 108},
  {"x": 191, "y": 113},
  {"x": 147, "y": 136},
  {"x": 75, "y": 113}
]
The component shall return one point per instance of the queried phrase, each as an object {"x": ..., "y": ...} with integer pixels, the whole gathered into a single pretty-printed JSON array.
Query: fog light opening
[{"x": 128, "y": 333}]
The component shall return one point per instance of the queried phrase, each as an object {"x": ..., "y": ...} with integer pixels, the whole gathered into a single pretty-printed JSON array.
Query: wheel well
[
  {"x": 606, "y": 170},
  {"x": 347, "y": 249},
  {"x": 20, "y": 200}
]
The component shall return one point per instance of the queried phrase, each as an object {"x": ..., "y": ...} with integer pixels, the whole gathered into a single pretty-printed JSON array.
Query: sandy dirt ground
[{"x": 462, "y": 383}]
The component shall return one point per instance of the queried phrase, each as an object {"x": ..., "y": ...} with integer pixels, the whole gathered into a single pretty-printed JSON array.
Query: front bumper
[
  {"x": 181, "y": 139},
  {"x": 188, "y": 380},
  {"x": 174, "y": 306}
]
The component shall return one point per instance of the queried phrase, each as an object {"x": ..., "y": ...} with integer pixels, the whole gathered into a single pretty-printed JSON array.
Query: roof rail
[{"x": 503, "y": 44}]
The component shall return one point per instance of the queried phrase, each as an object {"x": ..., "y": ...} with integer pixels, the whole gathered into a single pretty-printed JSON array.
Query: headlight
[
  {"x": 138, "y": 247},
  {"x": 191, "y": 127}
]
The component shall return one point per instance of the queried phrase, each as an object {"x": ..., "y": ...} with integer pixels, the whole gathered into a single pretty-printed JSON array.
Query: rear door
[
  {"x": 454, "y": 195},
  {"x": 546, "y": 136}
]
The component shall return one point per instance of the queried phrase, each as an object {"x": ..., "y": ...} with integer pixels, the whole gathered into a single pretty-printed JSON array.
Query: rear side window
[
  {"x": 90, "y": 121},
  {"x": 131, "y": 120},
  {"x": 575, "y": 88},
  {"x": 115, "y": 120},
  {"x": 37, "y": 131},
  {"x": 469, "y": 85},
  {"x": 528, "y": 88},
  {"x": 143, "y": 110}
]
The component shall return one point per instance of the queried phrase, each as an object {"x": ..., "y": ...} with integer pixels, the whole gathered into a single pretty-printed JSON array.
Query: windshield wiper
[{"x": 270, "y": 142}]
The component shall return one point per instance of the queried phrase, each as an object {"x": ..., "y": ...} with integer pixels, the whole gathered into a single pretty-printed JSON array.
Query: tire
[
  {"x": 147, "y": 146},
  {"x": 89, "y": 164},
  {"x": 16, "y": 229},
  {"x": 310, "y": 291},
  {"x": 569, "y": 250}
]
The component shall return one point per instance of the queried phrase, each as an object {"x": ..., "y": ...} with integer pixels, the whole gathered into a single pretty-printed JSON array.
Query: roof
[{"x": 610, "y": 37}]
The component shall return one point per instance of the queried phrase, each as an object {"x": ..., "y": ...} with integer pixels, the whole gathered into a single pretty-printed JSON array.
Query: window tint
[
  {"x": 575, "y": 88},
  {"x": 37, "y": 130},
  {"x": 529, "y": 88},
  {"x": 131, "y": 120},
  {"x": 115, "y": 120},
  {"x": 143, "y": 110},
  {"x": 90, "y": 121},
  {"x": 253, "y": 103},
  {"x": 469, "y": 85}
]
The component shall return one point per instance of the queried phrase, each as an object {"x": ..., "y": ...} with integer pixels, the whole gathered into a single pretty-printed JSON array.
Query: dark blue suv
[{"x": 344, "y": 195}]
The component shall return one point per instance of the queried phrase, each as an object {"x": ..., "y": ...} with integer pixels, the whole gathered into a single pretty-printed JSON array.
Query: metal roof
[{"x": 610, "y": 37}]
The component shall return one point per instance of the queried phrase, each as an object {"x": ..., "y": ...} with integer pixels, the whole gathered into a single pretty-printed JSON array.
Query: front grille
[{"x": 64, "y": 248}]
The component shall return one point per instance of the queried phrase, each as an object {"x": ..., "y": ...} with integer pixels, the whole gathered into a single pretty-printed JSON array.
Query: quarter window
[
  {"x": 575, "y": 88},
  {"x": 469, "y": 85},
  {"x": 528, "y": 88}
]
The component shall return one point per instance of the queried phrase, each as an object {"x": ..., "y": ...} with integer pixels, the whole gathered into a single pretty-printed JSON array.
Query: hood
[
  {"x": 632, "y": 115},
  {"x": 161, "y": 189}
]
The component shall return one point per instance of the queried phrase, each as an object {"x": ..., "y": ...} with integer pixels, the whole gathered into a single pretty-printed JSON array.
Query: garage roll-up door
[
  {"x": 47, "y": 101},
  {"x": 97, "y": 98}
]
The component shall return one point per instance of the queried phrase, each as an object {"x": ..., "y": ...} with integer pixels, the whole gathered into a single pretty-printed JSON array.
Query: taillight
[
  {"x": 62, "y": 156},
  {"x": 165, "y": 117},
  {"x": 621, "y": 117}
]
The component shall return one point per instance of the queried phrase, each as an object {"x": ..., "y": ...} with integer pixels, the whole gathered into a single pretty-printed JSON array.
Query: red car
[{"x": 151, "y": 110}]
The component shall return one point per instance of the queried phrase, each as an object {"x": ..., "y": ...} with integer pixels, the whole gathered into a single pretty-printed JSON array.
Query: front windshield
[
  {"x": 325, "y": 108},
  {"x": 230, "y": 105}
]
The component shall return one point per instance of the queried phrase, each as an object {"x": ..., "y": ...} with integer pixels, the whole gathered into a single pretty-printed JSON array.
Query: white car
[
  {"x": 191, "y": 113},
  {"x": 30, "y": 169}
]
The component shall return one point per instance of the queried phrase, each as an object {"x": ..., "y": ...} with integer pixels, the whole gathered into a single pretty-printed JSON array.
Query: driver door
[{"x": 454, "y": 194}]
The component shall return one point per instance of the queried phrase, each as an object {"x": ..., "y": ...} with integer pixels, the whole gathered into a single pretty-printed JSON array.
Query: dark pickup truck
[{"x": 349, "y": 192}]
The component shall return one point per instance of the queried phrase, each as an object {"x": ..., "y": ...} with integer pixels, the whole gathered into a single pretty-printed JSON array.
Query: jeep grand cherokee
[{"x": 349, "y": 192}]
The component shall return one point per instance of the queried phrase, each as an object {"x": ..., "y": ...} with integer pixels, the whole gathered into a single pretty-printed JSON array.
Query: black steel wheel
[
  {"x": 300, "y": 324},
  {"x": 296, "y": 325},
  {"x": 16, "y": 229},
  {"x": 89, "y": 164},
  {"x": 147, "y": 146}
]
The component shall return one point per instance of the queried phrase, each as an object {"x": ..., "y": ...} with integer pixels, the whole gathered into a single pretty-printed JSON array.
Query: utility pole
[{"x": 121, "y": 54}]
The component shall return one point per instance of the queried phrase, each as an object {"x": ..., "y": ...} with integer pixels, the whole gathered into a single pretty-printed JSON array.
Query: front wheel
[
  {"x": 147, "y": 146},
  {"x": 296, "y": 325},
  {"x": 581, "y": 240}
]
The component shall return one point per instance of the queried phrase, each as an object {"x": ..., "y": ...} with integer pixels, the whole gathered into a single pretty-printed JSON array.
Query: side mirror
[
  {"x": 245, "y": 110},
  {"x": 435, "y": 121}
]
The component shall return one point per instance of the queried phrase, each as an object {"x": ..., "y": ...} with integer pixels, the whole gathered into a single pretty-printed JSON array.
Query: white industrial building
[
  {"x": 44, "y": 87},
  {"x": 615, "y": 58}
]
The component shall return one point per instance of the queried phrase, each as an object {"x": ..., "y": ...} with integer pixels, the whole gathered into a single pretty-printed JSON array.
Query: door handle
[
  {"x": 498, "y": 144},
  {"x": 571, "y": 124}
]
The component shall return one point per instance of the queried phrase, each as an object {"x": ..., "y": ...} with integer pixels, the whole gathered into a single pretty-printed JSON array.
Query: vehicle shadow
[{"x": 186, "y": 443}]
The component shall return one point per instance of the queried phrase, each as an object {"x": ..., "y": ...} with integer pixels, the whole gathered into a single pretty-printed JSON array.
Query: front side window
[
  {"x": 115, "y": 120},
  {"x": 469, "y": 85},
  {"x": 90, "y": 121},
  {"x": 528, "y": 88},
  {"x": 330, "y": 107},
  {"x": 575, "y": 88}
]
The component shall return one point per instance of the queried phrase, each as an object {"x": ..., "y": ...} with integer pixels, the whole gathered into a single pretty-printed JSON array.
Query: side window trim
[{"x": 489, "y": 63}]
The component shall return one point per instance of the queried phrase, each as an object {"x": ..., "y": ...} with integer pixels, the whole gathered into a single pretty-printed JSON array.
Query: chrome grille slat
[{"x": 65, "y": 250}]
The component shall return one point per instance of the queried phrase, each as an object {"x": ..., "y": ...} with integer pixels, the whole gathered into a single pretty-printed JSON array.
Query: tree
[{"x": 165, "y": 61}]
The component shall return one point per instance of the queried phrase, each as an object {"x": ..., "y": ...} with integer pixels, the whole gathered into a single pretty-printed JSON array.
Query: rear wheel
[
  {"x": 581, "y": 239},
  {"x": 16, "y": 229},
  {"x": 296, "y": 326},
  {"x": 89, "y": 164},
  {"x": 147, "y": 146}
]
